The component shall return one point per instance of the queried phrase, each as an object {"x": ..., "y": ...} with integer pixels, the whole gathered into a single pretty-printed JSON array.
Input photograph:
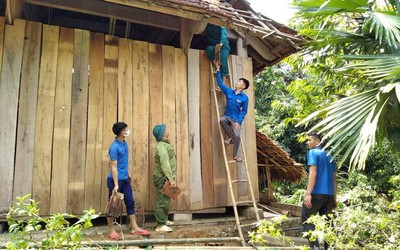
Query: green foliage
[
  {"x": 274, "y": 105},
  {"x": 271, "y": 228},
  {"x": 351, "y": 63},
  {"x": 23, "y": 220},
  {"x": 364, "y": 218},
  {"x": 395, "y": 192}
]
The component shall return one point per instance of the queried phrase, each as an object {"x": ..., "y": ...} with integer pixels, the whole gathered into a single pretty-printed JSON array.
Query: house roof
[
  {"x": 282, "y": 167},
  {"x": 160, "y": 22},
  {"x": 269, "y": 41}
]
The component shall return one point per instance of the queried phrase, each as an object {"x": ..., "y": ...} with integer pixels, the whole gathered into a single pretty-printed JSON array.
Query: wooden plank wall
[{"x": 62, "y": 89}]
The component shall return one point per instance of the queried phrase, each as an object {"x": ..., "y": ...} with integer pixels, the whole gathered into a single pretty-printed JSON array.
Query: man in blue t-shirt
[
  {"x": 321, "y": 190},
  {"x": 235, "y": 111},
  {"x": 119, "y": 179}
]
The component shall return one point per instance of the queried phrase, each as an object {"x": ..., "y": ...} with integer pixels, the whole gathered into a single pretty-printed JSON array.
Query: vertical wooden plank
[
  {"x": 205, "y": 135},
  {"x": 27, "y": 110},
  {"x": 156, "y": 109},
  {"x": 125, "y": 91},
  {"x": 2, "y": 29},
  {"x": 196, "y": 190},
  {"x": 77, "y": 158},
  {"x": 250, "y": 143},
  {"x": 95, "y": 123},
  {"x": 221, "y": 191},
  {"x": 168, "y": 63},
  {"x": 141, "y": 105},
  {"x": 45, "y": 118},
  {"x": 239, "y": 171},
  {"x": 9, "y": 91},
  {"x": 62, "y": 121},
  {"x": 110, "y": 107},
  {"x": 182, "y": 130}
]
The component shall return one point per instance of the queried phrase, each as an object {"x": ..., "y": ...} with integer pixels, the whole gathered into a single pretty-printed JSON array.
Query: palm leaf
[
  {"x": 322, "y": 8},
  {"x": 351, "y": 123},
  {"x": 385, "y": 27},
  {"x": 376, "y": 67}
]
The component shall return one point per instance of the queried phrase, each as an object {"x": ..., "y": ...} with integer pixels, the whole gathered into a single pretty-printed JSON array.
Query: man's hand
[
  {"x": 218, "y": 47},
  {"x": 236, "y": 125},
  {"x": 307, "y": 201},
  {"x": 173, "y": 184},
  {"x": 115, "y": 190},
  {"x": 130, "y": 179}
]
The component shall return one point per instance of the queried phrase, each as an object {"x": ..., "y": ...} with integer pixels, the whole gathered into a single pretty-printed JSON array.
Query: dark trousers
[
  {"x": 124, "y": 186},
  {"x": 322, "y": 205},
  {"x": 227, "y": 122}
]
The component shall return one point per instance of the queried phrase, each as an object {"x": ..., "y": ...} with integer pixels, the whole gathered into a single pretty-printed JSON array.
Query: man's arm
[
  {"x": 243, "y": 112},
  {"x": 221, "y": 83},
  {"x": 114, "y": 172},
  {"x": 164, "y": 161},
  {"x": 312, "y": 178}
]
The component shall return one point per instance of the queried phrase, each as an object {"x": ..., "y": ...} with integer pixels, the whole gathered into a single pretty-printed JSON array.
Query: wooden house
[{"x": 70, "y": 69}]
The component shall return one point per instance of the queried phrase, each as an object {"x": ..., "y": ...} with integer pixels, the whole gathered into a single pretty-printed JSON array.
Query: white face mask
[{"x": 126, "y": 133}]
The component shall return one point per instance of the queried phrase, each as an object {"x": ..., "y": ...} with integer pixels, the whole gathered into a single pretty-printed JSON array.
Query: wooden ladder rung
[
  {"x": 243, "y": 202},
  {"x": 233, "y": 161},
  {"x": 242, "y": 180}
]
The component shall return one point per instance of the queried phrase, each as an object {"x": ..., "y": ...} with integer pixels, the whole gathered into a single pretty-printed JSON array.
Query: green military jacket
[{"x": 165, "y": 160}]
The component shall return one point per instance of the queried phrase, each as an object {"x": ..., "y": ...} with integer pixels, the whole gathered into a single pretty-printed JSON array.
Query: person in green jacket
[
  {"x": 217, "y": 41},
  {"x": 165, "y": 169}
]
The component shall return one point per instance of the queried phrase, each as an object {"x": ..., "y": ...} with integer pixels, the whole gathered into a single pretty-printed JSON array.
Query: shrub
[{"x": 23, "y": 220}]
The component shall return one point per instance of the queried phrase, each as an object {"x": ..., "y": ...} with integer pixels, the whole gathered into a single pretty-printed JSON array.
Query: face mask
[{"x": 126, "y": 133}]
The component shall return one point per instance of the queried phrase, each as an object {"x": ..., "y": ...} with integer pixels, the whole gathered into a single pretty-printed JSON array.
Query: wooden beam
[
  {"x": 188, "y": 29},
  {"x": 13, "y": 10},
  {"x": 116, "y": 11},
  {"x": 169, "y": 9},
  {"x": 260, "y": 47}
]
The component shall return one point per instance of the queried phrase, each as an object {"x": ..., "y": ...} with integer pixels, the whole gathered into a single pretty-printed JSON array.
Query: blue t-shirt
[
  {"x": 119, "y": 152},
  {"x": 325, "y": 170},
  {"x": 236, "y": 104}
]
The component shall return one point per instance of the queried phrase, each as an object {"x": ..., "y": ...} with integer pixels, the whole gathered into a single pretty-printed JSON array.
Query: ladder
[{"x": 230, "y": 163}]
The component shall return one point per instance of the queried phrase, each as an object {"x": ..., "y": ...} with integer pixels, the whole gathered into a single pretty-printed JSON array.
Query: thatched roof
[{"x": 282, "y": 167}]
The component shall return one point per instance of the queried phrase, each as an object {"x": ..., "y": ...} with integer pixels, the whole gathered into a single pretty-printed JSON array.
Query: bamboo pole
[{"x": 148, "y": 242}]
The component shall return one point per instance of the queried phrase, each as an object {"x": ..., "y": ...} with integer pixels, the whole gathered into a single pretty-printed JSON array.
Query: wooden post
[
  {"x": 269, "y": 183},
  {"x": 13, "y": 10}
]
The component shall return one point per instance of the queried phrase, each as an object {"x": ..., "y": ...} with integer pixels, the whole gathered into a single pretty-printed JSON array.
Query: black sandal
[{"x": 228, "y": 141}]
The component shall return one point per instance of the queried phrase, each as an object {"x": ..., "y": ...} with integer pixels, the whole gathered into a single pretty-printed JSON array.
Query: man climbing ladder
[{"x": 236, "y": 109}]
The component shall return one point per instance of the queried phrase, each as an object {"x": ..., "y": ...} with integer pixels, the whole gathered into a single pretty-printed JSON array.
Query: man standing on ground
[
  {"x": 119, "y": 179},
  {"x": 236, "y": 109},
  {"x": 322, "y": 184}
]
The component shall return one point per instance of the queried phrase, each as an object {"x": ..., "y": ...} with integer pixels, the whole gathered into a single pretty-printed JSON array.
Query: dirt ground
[{"x": 201, "y": 227}]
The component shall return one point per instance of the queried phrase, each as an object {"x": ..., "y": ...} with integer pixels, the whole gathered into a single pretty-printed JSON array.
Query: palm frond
[
  {"x": 385, "y": 27},
  {"x": 321, "y": 8},
  {"x": 332, "y": 38},
  {"x": 351, "y": 123},
  {"x": 375, "y": 67}
]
